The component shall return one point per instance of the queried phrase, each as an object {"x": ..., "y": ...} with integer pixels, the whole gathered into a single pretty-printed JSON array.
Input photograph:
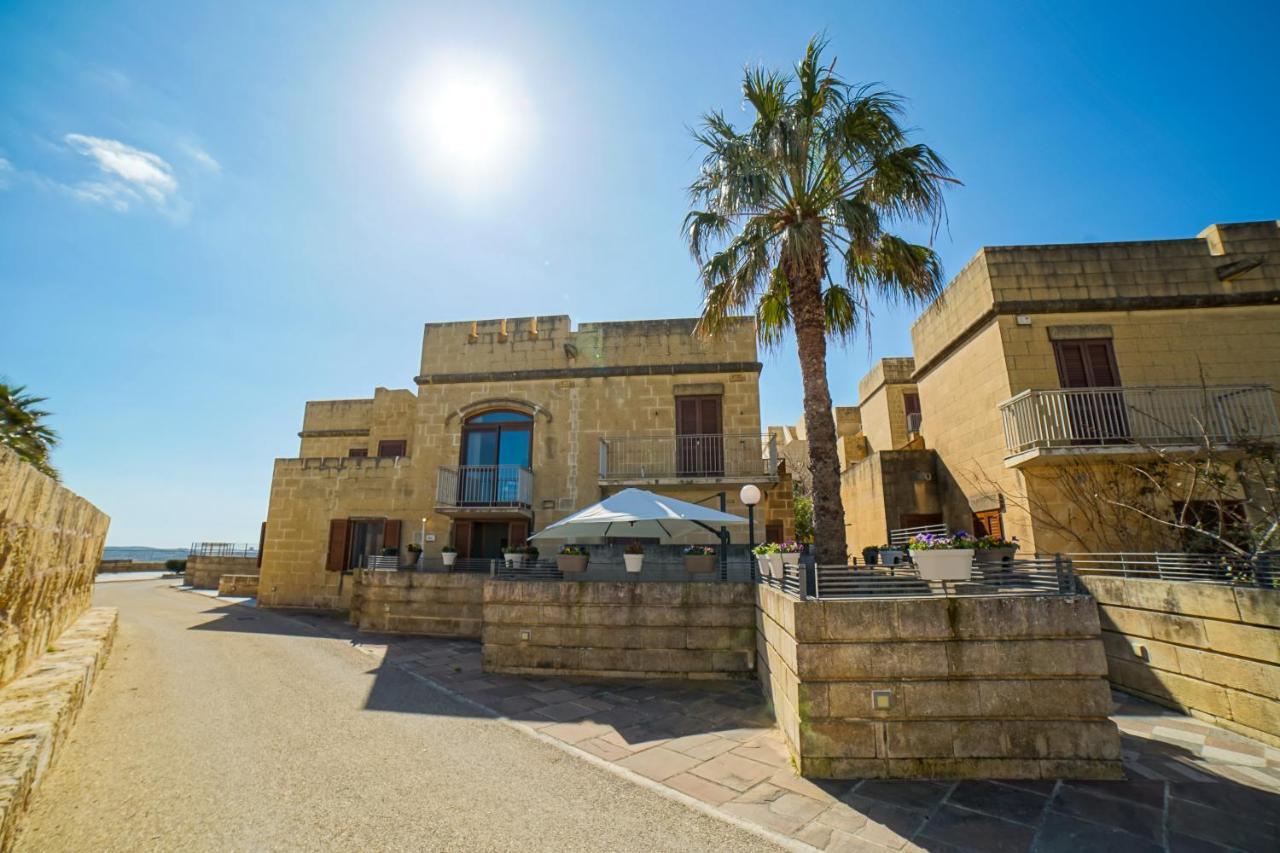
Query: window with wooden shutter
[
  {"x": 987, "y": 523},
  {"x": 337, "y": 560},
  {"x": 392, "y": 447},
  {"x": 1086, "y": 363},
  {"x": 699, "y": 436},
  {"x": 391, "y": 533},
  {"x": 358, "y": 452}
]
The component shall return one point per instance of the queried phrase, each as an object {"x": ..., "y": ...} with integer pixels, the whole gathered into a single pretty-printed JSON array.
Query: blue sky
[{"x": 210, "y": 213}]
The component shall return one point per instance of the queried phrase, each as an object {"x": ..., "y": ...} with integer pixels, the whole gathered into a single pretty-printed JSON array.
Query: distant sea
[{"x": 140, "y": 554}]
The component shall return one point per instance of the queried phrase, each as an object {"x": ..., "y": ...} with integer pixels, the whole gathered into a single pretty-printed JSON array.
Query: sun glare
[{"x": 467, "y": 122}]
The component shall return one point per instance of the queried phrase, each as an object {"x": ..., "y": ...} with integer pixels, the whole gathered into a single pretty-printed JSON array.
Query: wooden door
[
  {"x": 700, "y": 436},
  {"x": 1100, "y": 416},
  {"x": 337, "y": 558},
  {"x": 462, "y": 538}
]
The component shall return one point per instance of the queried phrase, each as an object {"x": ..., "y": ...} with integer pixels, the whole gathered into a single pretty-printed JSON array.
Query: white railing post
[{"x": 604, "y": 459}]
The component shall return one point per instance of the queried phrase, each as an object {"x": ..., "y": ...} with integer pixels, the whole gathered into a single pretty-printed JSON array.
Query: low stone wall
[
  {"x": 38, "y": 709},
  {"x": 979, "y": 687},
  {"x": 440, "y": 604},
  {"x": 129, "y": 566},
  {"x": 50, "y": 545},
  {"x": 205, "y": 572},
  {"x": 626, "y": 629},
  {"x": 1210, "y": 650},
  {"x": 238, "y": 586}
]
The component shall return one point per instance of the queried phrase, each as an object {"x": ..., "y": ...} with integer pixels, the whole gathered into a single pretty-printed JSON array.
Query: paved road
[{"x": 217, "y": 727}]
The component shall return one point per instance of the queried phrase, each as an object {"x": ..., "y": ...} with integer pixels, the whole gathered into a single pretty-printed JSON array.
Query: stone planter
[
  {"x": 513, "y": 559},
  {"x": 945, "y": 564},
  {"x": 987, "y": 556},
  {"x": 633, "y": 561},
  {"x": 892, "y": 556},
  {"x": 449, "y": 558},
  {"x": 699, "y": 564},
  {"x": 571, "y": 563}
]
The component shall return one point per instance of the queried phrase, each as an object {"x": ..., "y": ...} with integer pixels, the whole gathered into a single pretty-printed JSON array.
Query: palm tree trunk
[{"x": 824, "y": 460}]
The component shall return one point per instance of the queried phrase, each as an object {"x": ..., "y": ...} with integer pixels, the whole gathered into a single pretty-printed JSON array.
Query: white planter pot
[
  {"x": 633, "y": 561},
  {"x": 449, "y": 559},
  {"x": 513, "y": 560},
  {"x": 775, "y": 565},
  {"x": 790, "y": 560},
  {"x": 947, "y": 564},
  {"x": 891, "y": 556}
]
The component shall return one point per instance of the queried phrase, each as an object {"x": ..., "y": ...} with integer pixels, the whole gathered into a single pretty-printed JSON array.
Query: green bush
[{"x": 175, "y": 565}]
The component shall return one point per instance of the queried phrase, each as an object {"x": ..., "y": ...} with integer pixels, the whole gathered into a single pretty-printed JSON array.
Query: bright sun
[{"x": 467, "y": 121}]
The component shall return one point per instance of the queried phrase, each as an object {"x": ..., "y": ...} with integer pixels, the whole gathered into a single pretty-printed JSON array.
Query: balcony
[
  {"x": 1074, "y": 421},
  {"x": 672, "y": 459},
  {"x": 484, "y": 488}
]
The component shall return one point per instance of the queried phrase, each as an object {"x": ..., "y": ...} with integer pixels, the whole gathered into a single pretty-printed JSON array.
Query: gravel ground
[{"x": 218, "y": 727}]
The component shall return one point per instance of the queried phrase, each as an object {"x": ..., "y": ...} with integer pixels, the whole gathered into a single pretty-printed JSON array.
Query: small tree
[
  {"x": 804, "y": 518},
  {"x": 23, "y": 430}
]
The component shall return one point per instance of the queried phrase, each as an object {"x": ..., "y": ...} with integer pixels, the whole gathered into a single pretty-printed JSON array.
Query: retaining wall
[
  {"x": 979, "y": 687},
  {"x": 625, "y": 629},
  {"x": 50, "y": 545},
  {"x": 432, "y": 603},
  {"x": 205, "y": 572},
  {"x": 1207, "y": 649},
  {"x": 238, "y": 585}
]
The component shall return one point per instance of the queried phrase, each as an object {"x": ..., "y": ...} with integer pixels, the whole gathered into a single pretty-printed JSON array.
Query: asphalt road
[{"x": 218, "y": 727}]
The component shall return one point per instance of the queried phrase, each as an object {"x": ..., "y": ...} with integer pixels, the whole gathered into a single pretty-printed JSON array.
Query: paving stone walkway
[{"x": 1191, "y": 786}]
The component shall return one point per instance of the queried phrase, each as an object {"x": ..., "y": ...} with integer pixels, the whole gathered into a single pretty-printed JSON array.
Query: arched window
[{"x": 496, "y": 445}]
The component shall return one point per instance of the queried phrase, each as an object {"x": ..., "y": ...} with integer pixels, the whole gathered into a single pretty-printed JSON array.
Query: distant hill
[{"x": 142, "y": 553}]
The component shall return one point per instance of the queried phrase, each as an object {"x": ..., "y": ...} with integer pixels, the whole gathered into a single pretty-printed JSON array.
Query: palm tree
[
  {"x": 791, "y": 224},
  {"x": 22, "y": 428}
]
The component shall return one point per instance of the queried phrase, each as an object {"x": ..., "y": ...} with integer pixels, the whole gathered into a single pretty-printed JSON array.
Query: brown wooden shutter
[
  {"x": 1072, "y": 372},
  {"x": 262, "y": 541},
  {"x": 987, "y": 523},
  {"x": 1086, "y": 364},
  {"x": 911, "y": 404},
  {"x": 391, "y": 533},
  {"x": 1102, "y": 360},
  {"x": 517, "y": 533},
  {"x": 710, "y": 417},
  {"x": 686, "y": 415},
  {"x": 462, "y": 538},
  {"x": 773, "y": 531},
  {"x": 337, "y": 561},
  {"x": 358, "y": 452}
]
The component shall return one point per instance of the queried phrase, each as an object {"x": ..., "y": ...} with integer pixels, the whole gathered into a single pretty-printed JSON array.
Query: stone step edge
[{"x": 39, "y": 708}]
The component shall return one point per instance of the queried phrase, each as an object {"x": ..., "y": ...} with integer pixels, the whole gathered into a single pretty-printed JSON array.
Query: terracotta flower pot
[
  {"x": 571, "y": 563},
  {"x": 699, "y": 564},
  {"x": 944, "y": 564}
]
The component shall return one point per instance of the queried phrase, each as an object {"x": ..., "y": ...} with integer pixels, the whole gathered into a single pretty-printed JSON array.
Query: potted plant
[
  {"x": 869, "y": 555},
  {"x": 943, "y": 558},
  {"x": 449, "y": 555},
  {"x": 633, "y": 556},
  {"x": 415, "y": 552},
  {"x": 994, "y": 549},
  {"x": 769, "y": 556},
  {"x": 699, "y": 559},
  {"x": 891, "y": 556},
  {"x": 530, "y": 553},
  {"x": 572, "y": 559},
  {"x": 513, "y": 556},
  {"x": 790, "y": 552}
]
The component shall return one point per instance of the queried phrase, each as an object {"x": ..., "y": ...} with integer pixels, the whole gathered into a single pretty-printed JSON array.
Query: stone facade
[
  {"x": 238, "y": 586},
  {"x": 632, "y": 630},
  {"x": 1208, "y": 650},
  {"x": 1191, "y": 313},
  {"x": 580, "y": 387},
  {"x": 981, "y": 687},
  {"x": 50, "y": 544},
  {"x": 434, "y": 604},
  {"x": 205, "y": 572}
]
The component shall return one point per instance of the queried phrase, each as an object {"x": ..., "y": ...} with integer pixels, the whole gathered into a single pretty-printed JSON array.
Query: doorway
[
  {"x": 699, "y": 438},
  {"x": 1100, "y": 417}
]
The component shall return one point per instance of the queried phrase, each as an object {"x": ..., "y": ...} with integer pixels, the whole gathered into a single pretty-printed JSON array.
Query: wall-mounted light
[{"x": 881, "y": 700}]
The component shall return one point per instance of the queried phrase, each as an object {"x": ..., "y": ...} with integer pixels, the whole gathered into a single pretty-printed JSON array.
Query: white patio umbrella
[{"x": 644, "y": 515}]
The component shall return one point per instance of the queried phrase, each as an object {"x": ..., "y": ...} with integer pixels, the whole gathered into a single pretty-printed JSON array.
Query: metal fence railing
[
  {"x": 222, "y": 549},
  {"x": 1050, "y": 575},
  {"x": 642, "y": 457},
  {"x": 1262, "y": 570},
  {"x": 903, "y": 535},
  {"x": 485, "y": 486},
  {"x": 1142, "y": 415},
  {"x": 658, "y": 571}
]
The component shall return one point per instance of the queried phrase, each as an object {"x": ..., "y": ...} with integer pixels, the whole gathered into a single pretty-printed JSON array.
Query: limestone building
[
  {"x": 514, "y": 424},
  {"x": 1039, "y": 368}
]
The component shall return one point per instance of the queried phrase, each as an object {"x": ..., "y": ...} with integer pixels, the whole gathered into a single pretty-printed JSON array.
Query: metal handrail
[
  {"x": 485, "y": 486},
  {"x": 1138, "y": 415},
  {"x": 688, "y": 456},
  {"x": 1262, "y": 570},
  {"x": 222, "y": 549},
  {"x": 903, "y": 535}
]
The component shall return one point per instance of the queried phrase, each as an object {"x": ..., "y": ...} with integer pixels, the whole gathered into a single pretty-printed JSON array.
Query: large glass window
[{"x": 495, "y": 446}]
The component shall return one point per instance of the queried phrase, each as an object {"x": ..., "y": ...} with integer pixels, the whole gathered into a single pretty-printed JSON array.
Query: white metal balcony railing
[
  {"x": 485, "y": 486},
  {"x": 913, "y": 422},
  {"x": 688, "y": 456},
  {"x": 1143, "y": 416}
]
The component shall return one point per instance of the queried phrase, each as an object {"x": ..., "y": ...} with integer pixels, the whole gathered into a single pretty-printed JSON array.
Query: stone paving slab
[{"x": 1190, "y": 785}]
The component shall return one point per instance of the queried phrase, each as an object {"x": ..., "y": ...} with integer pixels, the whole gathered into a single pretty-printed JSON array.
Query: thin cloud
[
  {"x": 204, "y": 158},
  {"x": 6, "y": 173},
  {"x": 113, "y": 195},
  {"x": 130, "y": 171}
]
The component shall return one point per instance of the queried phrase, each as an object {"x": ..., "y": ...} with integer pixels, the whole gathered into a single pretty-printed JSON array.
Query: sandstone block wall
[
  {"x": 980, "y": 687},
  {"x": 660, "y": 630},
  {"x": 238, "y": 586},
  {"x": 129, "y": 566},
  {"x": 204, "y": 572},
  {"x": 50, "y": 545},
  {"x": 1209, "y": 650},
  {"x": 432, "y": 603}
]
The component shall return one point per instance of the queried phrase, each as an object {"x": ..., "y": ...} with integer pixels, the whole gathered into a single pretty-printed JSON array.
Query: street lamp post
[{"x": 750, "y": 495}]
